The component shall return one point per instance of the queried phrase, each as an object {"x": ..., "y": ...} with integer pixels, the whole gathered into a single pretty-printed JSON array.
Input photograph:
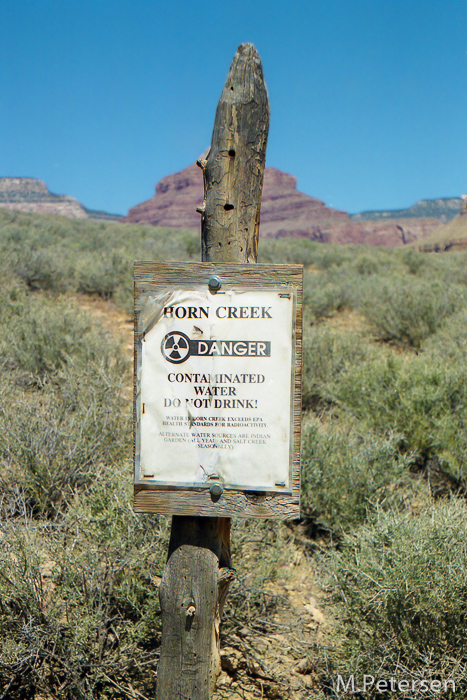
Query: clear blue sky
[{"x": 102, "y": 98}]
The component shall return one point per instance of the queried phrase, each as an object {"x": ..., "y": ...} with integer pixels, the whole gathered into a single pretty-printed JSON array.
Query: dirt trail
[
  {"x": 112, "y": 317},
  {"x": 275, "y": 657}
]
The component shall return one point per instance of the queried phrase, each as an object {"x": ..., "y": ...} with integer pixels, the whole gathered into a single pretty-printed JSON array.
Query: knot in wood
[{"x": 191, "y": 611}]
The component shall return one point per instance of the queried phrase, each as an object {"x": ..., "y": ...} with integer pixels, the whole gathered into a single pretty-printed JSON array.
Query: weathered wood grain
[
  {"x": 188, "y": 595},
  {"x": 233, "y": 504},
  {"x": 157, "y": 276},
  {"x": 233, "y": 171}
]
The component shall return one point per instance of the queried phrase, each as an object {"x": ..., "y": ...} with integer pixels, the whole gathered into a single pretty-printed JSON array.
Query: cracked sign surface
[{"x": 214, "y": 389}]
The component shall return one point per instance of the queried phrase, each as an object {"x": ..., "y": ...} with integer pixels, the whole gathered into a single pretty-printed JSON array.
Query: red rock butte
[{"x": 285, "y": 212}]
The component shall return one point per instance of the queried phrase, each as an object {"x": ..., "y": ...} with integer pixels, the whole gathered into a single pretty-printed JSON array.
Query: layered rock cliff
[
  {"x": 32, "y": 195},
  {"x": 453, "y": 236},
  {"x": 444, "y": 208},
  {"x": 174, "y": 203},
  {"x": 285, "y": 212}
]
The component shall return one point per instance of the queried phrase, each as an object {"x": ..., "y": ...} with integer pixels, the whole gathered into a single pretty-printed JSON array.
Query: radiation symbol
[{"x": 176, "y": 347}]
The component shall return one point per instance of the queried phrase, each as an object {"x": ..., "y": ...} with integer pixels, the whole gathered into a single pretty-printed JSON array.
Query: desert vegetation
[{"x": 384, "y": 475}]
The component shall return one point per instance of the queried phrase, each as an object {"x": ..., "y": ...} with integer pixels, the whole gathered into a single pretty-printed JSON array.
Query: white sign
[{"x": 214, "y": 388}]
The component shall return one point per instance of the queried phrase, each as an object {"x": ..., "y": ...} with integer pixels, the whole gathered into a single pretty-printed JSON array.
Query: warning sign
[{"x": 215, "y": 385}]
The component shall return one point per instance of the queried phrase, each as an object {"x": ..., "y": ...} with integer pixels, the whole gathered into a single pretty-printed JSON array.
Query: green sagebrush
[
  {"x": 62, "y": 413},
  {"x": 385, "y": 405},
  {"x": 381, "y": 421},
  {"x": 401, "y": 587},
  {"x": 79, "y": 608}
]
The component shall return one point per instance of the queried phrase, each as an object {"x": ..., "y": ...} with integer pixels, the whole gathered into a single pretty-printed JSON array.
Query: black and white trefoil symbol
[{"x": 176, "y": 347}]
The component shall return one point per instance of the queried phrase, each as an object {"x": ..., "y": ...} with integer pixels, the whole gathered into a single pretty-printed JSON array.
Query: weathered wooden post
[
  {"x": 191, "y": 317},
  {"x": 234, "y": 169},
  {"x": 199, "y": 565}
]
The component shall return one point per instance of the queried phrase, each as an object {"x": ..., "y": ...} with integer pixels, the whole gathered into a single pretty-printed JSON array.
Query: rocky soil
[{"x": 280, "y": 655}]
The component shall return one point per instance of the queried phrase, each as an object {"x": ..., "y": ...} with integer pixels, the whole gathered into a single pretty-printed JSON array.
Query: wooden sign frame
[{"x": 153, "y": 280}]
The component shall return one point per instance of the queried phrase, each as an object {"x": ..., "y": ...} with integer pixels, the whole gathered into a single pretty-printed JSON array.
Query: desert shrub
[
  {"x": 11, "y": 299},
  {"x": 347, "y": 475},
  {"x": 352, "y": 383},
  {"x": 455, "y": 268},
  {"x": 365, "y": 264},
  {"x": 346, "y": 281},
  {"x": 58, "y": 443},
  {"x": 401, "y": 585},
  {"x": 421, "y": 399},
  {"x": 73, "y": 417},
  {"x": 58, "y": 254},
  {"x": 372, "y": 261},
  {"x": 42, "y": 336},
  {"x": 449, "y": 344},
  {"x": 79, "y": 609},
  {"x": 447, "y": 269},
  {"x": 326, "y": 355},
  {"x": 324, "y": 295},
  {"x": 415, "y": 261},
  {"x": 42, "y": 269},
  {"x": 329, "y": 256},
  {"x": 406, "y": 311},
  {"x": 288, "y": 250},
  {"x": 103, "y": 276}
]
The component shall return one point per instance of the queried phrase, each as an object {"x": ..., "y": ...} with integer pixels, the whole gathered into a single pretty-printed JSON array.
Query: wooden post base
[{"x": 192, "y": 593}]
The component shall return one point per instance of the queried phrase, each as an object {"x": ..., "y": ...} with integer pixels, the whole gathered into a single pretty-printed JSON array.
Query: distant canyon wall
[
  {"x": 32, "y": 195},
  {"x": 285, "y": 212}
]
